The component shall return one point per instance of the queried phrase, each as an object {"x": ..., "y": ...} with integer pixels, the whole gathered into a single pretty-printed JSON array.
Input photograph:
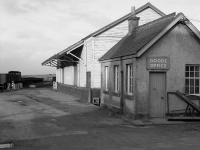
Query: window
[
  {"x": 192, "y": 79},
  {"x": 116, "y": 78},
  {"x": 106, "y": 78},
  {"x": 129, "y": 79}
]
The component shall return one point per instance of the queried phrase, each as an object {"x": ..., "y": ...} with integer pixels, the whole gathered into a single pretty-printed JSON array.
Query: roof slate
[{"x": 131, "y": 44}]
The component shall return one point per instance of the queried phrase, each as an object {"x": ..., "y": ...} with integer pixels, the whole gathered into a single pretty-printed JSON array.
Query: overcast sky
[{"x": 33, "y": 30}]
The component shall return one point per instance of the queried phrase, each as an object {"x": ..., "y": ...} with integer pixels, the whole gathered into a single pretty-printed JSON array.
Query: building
[
  {"x": 78, "y": 69},
  {"x": 141, "y": 73}
]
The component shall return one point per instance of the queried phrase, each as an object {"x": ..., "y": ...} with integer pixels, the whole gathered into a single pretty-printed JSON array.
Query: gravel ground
[{"x": 43, "y": 119}]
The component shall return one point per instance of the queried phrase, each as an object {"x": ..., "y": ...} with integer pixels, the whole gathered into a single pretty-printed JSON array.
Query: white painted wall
[
  {"x": 147, "y": 15},
  {"x": 69, "y": 75},
  {"x": 59, "y": 75},
  {"x": 82, "y": 65}
]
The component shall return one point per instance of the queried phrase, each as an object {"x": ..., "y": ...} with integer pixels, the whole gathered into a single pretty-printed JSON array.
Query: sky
[{"x": 33, "y": 30}]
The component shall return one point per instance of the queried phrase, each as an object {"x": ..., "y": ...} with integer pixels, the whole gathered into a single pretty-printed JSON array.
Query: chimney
[{"x": 133, "y": 21}]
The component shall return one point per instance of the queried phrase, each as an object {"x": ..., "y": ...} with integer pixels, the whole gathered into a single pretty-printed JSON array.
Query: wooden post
[
  {"x": 88, "y": 85},
  {"x": 122, "y": 87}
]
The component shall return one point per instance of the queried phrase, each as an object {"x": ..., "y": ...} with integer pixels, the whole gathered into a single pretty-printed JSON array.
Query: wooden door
[
  {"x": 75, "y": 75},
  {"x": 88, "y": 79},
  {"x": 157, "y": 94}
]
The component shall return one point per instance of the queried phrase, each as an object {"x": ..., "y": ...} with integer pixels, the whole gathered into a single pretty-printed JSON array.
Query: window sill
[
  {"x": 126, "y": 96},
  {"x": 106, "y": 92},
  {"x": 115, "y": 94}
]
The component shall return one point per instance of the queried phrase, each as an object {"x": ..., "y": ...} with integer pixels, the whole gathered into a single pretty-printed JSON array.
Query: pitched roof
[
  {"x": 120, "y": 20},
  {"x": 105, "y": 28},
  {"x": 132, "y": 43}
]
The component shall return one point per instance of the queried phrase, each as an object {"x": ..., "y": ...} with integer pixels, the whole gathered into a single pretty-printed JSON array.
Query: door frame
[{"x": 165, "y": 93}]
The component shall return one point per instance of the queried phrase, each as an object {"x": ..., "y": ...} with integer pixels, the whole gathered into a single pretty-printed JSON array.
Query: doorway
[
  {"x": 88, "y": 79},
  {"x": 157, "y": 90}
]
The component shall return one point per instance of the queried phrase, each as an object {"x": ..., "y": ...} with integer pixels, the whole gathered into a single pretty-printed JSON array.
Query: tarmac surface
[{"x": 43, "y": 119}]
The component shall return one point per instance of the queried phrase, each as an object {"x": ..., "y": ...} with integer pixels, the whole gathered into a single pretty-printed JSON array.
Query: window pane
[
  {"x": 191, "y": 74},
  {"x": 191, "y": 68},
  {"x": 196, "y": 68},
  {"x": 186, "y": 74},
  {"x": 191, "y": 90},
  {"x": 187, "y": 68},
  {"x": 191, "y": 82},
  {"x": 196, "y": 82},
  {"x": 196, "y": 74},
  {"x": 196, "y": 90}
]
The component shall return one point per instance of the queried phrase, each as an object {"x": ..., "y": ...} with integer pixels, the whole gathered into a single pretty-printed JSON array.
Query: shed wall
[
  {"x": 59, "y": 75},
  {"x": 69, "y": 75},
  {"x": 118, "y": 100}
]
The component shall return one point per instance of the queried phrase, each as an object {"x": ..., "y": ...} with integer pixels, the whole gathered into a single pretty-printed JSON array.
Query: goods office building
[{"x": 146, "y": 73}]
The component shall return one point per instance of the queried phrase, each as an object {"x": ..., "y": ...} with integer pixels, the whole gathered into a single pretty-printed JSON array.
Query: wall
[
  {"x": 82, "y": 94},
  {"x": 112, "y": 98},
  {"x": 81, "y": 67},
  {"x": 59, "y": 75},
  {"x": 182, "y": 47},
  {"x": 147, "y": 15},
  {"x": 69, "y": 75},
  {"x": 129, "y": 100}
]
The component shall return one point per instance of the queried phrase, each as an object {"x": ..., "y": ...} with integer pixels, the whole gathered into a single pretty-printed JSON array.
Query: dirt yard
[{"x": 43, "y": 119}]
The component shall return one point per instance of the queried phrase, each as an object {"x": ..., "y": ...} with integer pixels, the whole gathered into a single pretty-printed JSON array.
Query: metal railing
[{"x": 190, "y": 109}]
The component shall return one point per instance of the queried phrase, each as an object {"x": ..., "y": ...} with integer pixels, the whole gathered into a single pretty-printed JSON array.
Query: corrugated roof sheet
[{"x": 132, "y": 43}]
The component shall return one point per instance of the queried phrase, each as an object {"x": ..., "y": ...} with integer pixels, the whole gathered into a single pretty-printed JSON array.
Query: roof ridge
[
  {"x": 157, "y": 20},
  {"x": 143, "y": 33},
  {"x": 121, "y": 19}
]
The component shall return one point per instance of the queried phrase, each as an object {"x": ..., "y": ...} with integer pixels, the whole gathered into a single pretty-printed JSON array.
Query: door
[
  {"x": 88, "y": 79},
  {"x": 75, "y": 75},
  {"x": 157, "y": 94}
]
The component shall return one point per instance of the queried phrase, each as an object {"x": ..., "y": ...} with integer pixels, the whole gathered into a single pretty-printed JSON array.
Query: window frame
[
  {"x": 192, "y": 74},
  {"x": 129, "y": 79},
  {"x": 116, "y": 78},
  {"x": 106, "y": 71}
]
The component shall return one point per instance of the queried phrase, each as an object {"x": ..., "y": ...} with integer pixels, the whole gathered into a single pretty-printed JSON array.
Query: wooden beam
[
  {"x": 66, "y": 56},
  {"x": 75, "y": 56}
]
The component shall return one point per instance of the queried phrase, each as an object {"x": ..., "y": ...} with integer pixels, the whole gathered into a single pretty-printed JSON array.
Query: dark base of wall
[
  {"x": 126, "y": 114},
  {"x": 83, "y": 93},
  {"x": 142, "y": 116}
]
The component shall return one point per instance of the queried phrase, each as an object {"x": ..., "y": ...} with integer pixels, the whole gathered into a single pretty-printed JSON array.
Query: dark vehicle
[
  {"x": 11, "y": 80},
  {"x": 3, "y": 81},
  {"x": 14, "y": 76}
]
